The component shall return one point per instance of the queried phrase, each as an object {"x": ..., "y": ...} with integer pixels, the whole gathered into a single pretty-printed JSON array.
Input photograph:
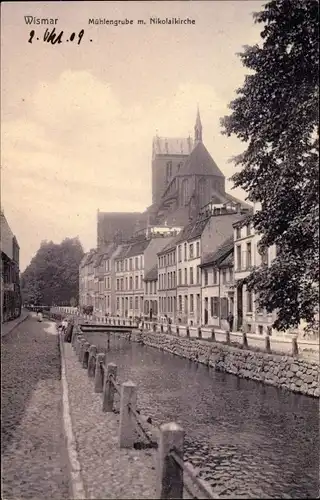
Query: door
[
  {"x": 206, "y": 314},
  {"x": 239, "y": 307}
]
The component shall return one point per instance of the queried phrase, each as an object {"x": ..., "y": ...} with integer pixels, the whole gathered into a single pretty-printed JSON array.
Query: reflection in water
[{"x": 249, "y": 439}]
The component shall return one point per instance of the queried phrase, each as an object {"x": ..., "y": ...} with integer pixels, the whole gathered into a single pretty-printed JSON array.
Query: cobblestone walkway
[
  {"x": 107, "y": 471},
  {"x": 33, "y": 454}
]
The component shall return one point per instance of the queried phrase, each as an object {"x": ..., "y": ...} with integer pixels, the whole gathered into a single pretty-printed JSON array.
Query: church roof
[
  {"x": 200, "y": 162},
  {"x": 172, "y": 145},
  {"x": 219, "y": 255}
]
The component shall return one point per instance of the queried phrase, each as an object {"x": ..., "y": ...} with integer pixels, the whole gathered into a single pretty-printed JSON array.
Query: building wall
[
  {"x": 151, "y": 299},
  {"x": 160, "y": 180},
  {"x": 167, "y": 284},
  {"x": 217, "y": 295},
  {"x": 246, "y": 256}
]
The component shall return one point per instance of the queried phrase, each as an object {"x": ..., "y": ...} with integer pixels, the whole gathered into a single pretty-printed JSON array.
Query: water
[{"x": 249, "y": 440}]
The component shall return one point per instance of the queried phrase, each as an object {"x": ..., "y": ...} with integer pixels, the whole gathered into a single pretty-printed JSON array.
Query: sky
[{"x": 77, "y": 120}]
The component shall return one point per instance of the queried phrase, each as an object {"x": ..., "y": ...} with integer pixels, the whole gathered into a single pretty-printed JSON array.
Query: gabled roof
[
  {"x": 172, "y": 145},
  {"x": 222, "y": 252},
  {"x": 137, "y": 248},
  {"x": 171, "y": 245},
  {"x": 152, "y": 275},
  {"x": 98, "y": 259},
  {"x": 200, "y": 162},
  {"x": 228, "y": 261},
  {"x": 193, "y": 230},
  {"x": 123, "y": 251}
]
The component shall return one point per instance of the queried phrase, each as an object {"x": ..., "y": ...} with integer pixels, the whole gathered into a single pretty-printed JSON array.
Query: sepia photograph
[{"x": 160, "y": 249}]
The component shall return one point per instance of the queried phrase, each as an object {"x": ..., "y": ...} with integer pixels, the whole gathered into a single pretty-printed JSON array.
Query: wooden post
[
  {"x": 85, "y": 357},
  {"x": 80, "y": 342},
  {"x": 108, "y": 387},
  {"x": 82, "y": 350},
  {"x": 199, "y": 333},
  {"x": 170, "y": 475},
  {"x": 267, "y": 343},
  {"x": 295, "y": 348},
  {"x": 188, "y": 331},
  {"x": 213, "y": 334},
  {"x": 228, "y": 337},
  {"x": 244, "y": 339},
  {"x": 99, "y": 373},
  {"x": 92, "y": 361},
  {"x": 126, "y": 429}
]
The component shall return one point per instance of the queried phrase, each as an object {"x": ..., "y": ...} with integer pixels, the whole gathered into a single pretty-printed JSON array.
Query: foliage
[
  {"x": 87, "y": 310},
  {"x": 52, "y": 277},
  {"x": 276, "y": 115}
]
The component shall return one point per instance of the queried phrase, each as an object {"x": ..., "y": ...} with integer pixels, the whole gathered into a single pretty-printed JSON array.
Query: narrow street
[{"x": 34, "y": 458}]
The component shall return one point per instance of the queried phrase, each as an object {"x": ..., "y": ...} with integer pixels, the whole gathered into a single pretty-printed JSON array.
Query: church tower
[{"x": 198, "y": 129}]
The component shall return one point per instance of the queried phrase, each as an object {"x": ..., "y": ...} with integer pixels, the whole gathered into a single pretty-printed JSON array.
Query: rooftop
[
  {"x": 152, "y": 275},
  {"x": 172, "y": 145},
  {"x": 200, "y": 162},
  {"x": 222, "y": 252}
]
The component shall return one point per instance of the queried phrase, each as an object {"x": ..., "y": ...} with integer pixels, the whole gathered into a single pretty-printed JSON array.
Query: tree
[
  {"x": 52, "y": 277},
  {"x": 276, "y": 115}
]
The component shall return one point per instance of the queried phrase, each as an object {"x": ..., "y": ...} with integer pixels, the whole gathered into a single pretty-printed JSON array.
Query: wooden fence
[{"x": 174, "y": 475}]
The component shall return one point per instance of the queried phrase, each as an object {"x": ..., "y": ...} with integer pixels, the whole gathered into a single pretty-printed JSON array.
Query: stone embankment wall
[{"x": 286, "y": 372}]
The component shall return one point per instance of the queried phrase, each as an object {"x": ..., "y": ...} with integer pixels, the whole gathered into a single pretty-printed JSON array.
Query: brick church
[{"x": 184, "y": 178}]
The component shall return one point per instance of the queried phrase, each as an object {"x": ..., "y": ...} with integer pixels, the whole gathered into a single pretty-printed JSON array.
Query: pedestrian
[
  {"x": 64, "y": 325},
  {"x": 230, "y": 319}
]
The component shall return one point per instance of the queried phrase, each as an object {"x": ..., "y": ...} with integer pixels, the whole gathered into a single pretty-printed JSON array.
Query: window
[
  {"x": 198, "y": 249},
  {"x": 130, "y": 265},
  {"x": 224, "y": 307},
  {"x": 249, "y": 302},
  {"x": 174, "y": 279},
  {"x": 118, "y": 303},
  {"x": 238, "y": 257},
  {"x": 136, "y": 282},
  {"x": 184, "y": 192},
  {"x": 136, "y": 303},
  {"x": 224, "y": 276},
  {"x": 248, "y": 230},
  {"x": 191, "y": 303},
  {"x": 136, "y": 263},
  {"x": 230, "y": 275},
  {"x": 186, "y": 304},
  {"x": 215, "y": 276},
  {"x": 179, "y": 277},
  {"x": 118, "y": 285},
  {"x": 249, "y": 257},
  {"x": 130, "y": 303},
  {"x": 130, "y": 283},
  {"x": 180, "y": 303},
  {"x": 238, "y": 233},
  {"x": 185, "y": 251},
  {"x": 198, "y": 274},
  {"x": 205, "y": 277},
  {"x": 121, "y": 284},
  {"x": 179, "y": 253},
  {"x": 191, "y": 251},
  {"x": 169, "y": 170},
  {"x": 186, "y": 276},
  {"x": 264, "y": 256},
  {"x": 260, "y": 329},
  {"x": 216, "y": 306},
  {"x": 126, "y": 265},
  {"x": 191, "y": 275}
]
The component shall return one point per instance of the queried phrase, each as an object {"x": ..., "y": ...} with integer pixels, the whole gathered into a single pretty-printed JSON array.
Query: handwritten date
[{"x": 53, "y": 37}]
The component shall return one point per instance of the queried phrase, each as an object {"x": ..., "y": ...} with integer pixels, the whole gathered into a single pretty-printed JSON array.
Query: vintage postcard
[{"x": 159, "y": 249}]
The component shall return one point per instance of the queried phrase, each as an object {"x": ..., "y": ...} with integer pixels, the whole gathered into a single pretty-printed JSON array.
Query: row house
[
  {"x": 180, "y": 293},
  {"x": 86, "y": 279},
  {"x": 133, "y": 264},
  {"x": 129, "y": 274},
  {"x": 218, "y": 285},
  {"x": 246, "y": 256},
  {"x": 151, "y": 294},
  {"x": 167, "y": 280},
  {"x": 110, "y": 254}
]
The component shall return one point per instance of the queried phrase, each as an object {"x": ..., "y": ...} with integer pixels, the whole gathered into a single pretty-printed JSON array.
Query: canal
[{"x": 249, "y": 440}]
